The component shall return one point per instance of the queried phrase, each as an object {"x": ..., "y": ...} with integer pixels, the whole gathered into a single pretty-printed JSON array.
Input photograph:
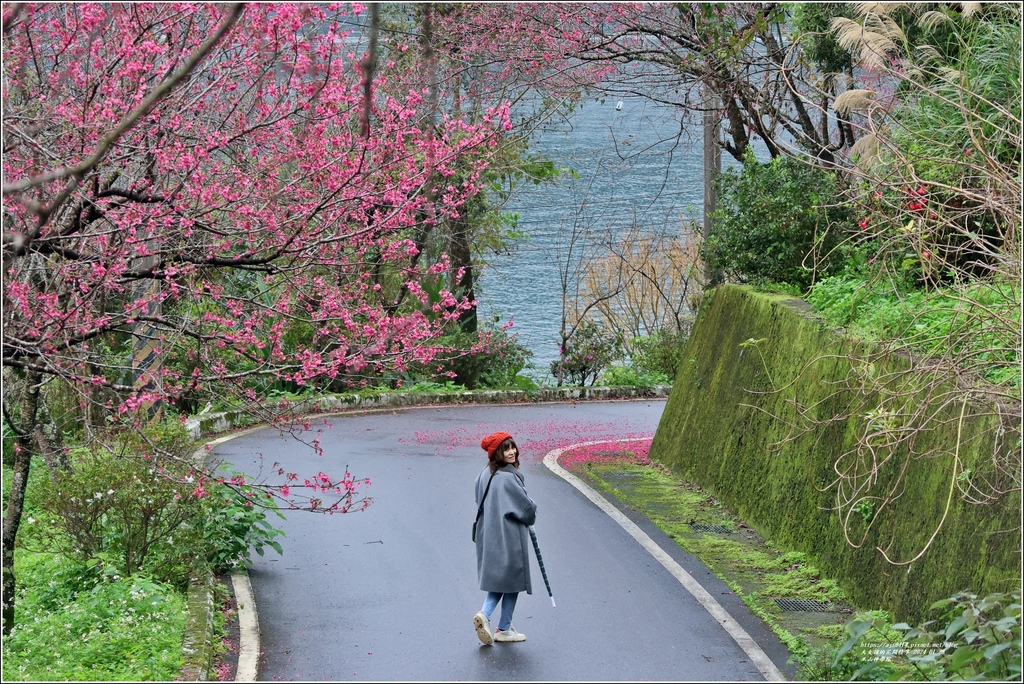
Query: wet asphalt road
[{"x": 389, "y": 593}]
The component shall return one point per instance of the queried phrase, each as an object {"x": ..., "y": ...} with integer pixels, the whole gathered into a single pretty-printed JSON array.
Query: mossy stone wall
[{"x": 728, "y": 427}]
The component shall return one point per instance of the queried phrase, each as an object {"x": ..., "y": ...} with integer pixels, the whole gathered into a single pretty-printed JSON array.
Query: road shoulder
[{"x": 769, "y": 654}]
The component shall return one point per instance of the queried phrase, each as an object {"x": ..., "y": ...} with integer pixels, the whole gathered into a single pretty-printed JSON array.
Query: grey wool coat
[{"x": 502, "y": 536}]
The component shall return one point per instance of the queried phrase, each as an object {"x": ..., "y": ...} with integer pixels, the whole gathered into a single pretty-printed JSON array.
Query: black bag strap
[{"x": 480, "y": 510}]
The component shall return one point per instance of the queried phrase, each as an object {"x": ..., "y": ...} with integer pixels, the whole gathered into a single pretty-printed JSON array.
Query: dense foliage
[
  {"x": 778, "y": 221},
  {"x": 930, "y": 324},
  {"x": 588, "y": 351},
  {"x": 490, "y": 358},
  {"x": 127, "y": 511},
  {"x": 661, "y": 352},
  {"x": 973, "y": 638},
  {"x": 79, "y": 624},
  {"x": 107, "y": 551},
  {"x": 653, "y": 360}
]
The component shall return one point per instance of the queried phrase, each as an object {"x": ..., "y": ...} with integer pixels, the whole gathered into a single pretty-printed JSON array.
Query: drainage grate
[
  {"x": 802, "y": 604},
  {"x": 710, "y": 528}
]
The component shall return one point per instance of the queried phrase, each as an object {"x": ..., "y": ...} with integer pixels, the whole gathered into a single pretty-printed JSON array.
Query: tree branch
[{"x": 79, "y": 171}]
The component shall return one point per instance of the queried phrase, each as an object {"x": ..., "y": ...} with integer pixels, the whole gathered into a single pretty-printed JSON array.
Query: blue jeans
[{"x": 508, "y": 604}]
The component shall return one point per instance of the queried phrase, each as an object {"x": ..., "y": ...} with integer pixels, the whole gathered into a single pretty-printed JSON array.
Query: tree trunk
[
  {"x": 462, "y": 258},
  {"x": 712, "y": 169},
  {"x": 48, "y": 441},
  {"x": 16, "y": 500}
]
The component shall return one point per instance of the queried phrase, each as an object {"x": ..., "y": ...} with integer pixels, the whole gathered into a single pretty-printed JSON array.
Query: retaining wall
[{"x": 751, "y": 360}]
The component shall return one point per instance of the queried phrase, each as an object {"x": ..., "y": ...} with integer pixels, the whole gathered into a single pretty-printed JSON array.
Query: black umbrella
[{"x": 540, "y": 562}]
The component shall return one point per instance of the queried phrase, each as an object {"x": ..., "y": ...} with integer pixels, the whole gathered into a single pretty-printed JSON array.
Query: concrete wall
[{"x": 733, "y": 424}]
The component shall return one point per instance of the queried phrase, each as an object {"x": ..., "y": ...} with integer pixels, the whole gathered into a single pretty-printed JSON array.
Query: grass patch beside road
[
  {"x": 750, "y": 565},
  {"x": 75, "y": 624}
]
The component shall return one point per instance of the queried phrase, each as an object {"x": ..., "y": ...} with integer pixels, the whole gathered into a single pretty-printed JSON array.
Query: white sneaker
[
  {"x": 483, "y": 628},
  {"x": 509, "y": 635}
]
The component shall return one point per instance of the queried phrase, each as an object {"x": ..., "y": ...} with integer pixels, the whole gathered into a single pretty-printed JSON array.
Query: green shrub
[
  {"x": 76, "y": 624},
  {"x": 587, "y": 352},
  {"x": 506, "y": 359},
  {"x": 229, "y": 525},
  {"x": 629, "y": 376},
  {"x": 490, "y": 358},
  {"x": 150, "y": 515},
  {"x": 660, "y": 353},
  {"x": 778, "y": 221},
  {"x": 431, "y": 386},
  {"x": 985, "y": 633},
  {"x": 165, "y": 437},
  {"x": 973, "y": 639},
  {"x": 524, "y": 382},
  {"x": 858, "y": 662},
  {"x": 125, "y": 510}
]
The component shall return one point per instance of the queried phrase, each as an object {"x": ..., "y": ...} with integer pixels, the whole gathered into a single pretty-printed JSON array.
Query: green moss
[
  {"x": 732, "y": 426},
  {"x": 803, "y": 581},
  {"x": 751, "y": 567},
  {"x": 835, "y": 632}
]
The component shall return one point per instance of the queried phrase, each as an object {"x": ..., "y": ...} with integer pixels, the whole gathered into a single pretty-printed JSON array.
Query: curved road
[{"x": 389, "y": 593}]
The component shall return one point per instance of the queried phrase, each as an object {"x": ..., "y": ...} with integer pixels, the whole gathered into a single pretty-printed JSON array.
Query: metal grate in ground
[
  {"x": 710, "y": 528},
  {"x": 803, "y": 604}
]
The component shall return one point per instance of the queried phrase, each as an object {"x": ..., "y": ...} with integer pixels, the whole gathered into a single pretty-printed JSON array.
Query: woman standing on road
[{"x": 504, "y": 513}]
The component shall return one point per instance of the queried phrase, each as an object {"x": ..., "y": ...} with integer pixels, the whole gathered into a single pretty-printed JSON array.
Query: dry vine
[{"x": 941, "y": 198}]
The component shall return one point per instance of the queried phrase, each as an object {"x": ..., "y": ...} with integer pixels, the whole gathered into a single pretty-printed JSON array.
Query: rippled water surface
[{"x": 633, "y": 168}]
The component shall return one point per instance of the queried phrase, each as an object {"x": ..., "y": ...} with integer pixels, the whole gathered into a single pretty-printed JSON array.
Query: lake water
[{"x": 634, "y": 169}]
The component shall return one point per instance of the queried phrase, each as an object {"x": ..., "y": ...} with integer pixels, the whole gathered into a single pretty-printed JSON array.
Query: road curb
[
  {"x": 757, "y": 656},
  {"x": 248, "y": 627},
  {"x": 197, "y": 647}
]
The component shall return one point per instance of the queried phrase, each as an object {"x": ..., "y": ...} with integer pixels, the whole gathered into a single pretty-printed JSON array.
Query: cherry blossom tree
[
  {"x": 234, "y": 181},
  {"x": 422, "y": 41}
]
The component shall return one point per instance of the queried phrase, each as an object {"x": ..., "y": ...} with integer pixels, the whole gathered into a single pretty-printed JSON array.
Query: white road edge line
[
  {"x": 739, "y": 635},
  {"x": 248, "y": 621},
  {"x": 248, "y": 617},
  {"x": 248, "y": 627}
]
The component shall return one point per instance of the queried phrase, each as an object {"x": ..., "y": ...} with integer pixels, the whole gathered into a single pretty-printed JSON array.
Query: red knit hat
[{"x": 491, "y": 442}]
